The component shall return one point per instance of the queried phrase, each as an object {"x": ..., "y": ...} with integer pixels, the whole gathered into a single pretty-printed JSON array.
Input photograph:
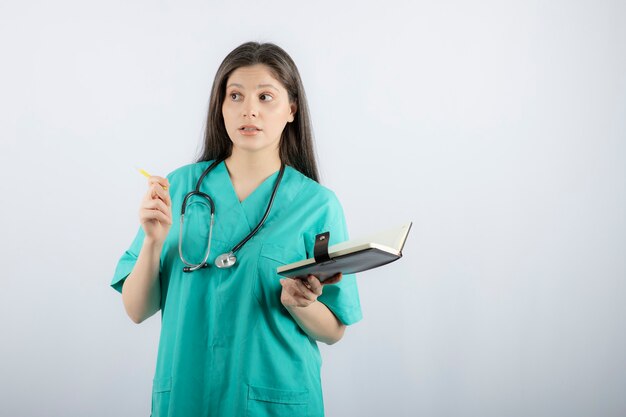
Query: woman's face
[{"x": 256, "y": 109}]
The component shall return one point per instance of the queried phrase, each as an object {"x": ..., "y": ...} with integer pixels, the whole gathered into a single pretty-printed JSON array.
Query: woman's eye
[
  {"x": 266, "y": 97},
  {"x": 234, "y": 96}
]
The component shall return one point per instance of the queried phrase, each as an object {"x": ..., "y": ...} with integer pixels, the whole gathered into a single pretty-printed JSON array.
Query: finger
[
  {"x": 314, "y": 284},
  {"x": 289, "y": 285},
  {"x": 305, "y": 291},
  {"x": 156, "y": 190},
  {"x": 156, "y": 204},
  {"x": 290, "y": 288},
  {"x": 163, "y": 182},
  {"x": 147, "y": 215},
  {"x": 290, "y": 295},
  {"x": 333, "y": 280}
]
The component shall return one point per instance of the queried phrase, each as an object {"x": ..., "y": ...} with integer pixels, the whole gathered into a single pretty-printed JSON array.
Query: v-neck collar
[
  {"x": 234, "y": 218},
  {"x": 252, "y": 208},
  {"x": 262, "y": 188}
]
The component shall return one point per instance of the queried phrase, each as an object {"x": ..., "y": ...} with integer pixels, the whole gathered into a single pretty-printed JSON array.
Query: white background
[{"x": 497, "y": 127}]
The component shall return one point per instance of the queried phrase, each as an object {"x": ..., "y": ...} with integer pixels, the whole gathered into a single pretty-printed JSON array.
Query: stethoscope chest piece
[{"x": 225, "y": 260}]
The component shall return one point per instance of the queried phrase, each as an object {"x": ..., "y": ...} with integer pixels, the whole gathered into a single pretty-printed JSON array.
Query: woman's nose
[{"x": 249, "y": 110}]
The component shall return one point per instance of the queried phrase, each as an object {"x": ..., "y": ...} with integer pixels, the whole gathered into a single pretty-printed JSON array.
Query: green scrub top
[{"x": 228, "y": 347}]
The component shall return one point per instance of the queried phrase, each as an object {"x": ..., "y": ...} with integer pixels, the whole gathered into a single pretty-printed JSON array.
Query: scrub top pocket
[
  {"x": 161, "y": 389},
  {"x": 267, "y": 287},
  {"x": 266, "y": 402}
]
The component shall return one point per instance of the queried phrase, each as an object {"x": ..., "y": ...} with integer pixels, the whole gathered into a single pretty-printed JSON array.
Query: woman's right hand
[{"x": 155, "y": 213}]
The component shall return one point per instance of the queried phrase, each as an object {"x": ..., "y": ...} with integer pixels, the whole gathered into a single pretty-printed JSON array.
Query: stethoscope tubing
[{"x": 227, "y": 259}]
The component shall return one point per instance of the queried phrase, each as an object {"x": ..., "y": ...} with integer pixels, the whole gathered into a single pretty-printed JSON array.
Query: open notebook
[{"x": 351, "y": 256}]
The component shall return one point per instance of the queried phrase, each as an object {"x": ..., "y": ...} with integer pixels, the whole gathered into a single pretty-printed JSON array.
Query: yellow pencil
[{"x": 145, "y": 174}]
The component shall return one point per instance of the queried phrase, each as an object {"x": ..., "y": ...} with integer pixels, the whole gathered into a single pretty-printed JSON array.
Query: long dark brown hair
[{"x": 296, "y": 141}]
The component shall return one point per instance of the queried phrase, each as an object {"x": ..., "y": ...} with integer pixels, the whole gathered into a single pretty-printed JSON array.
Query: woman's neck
[
  {"x": 252, "y": 165},
  {"x": 248, "y": 170}
]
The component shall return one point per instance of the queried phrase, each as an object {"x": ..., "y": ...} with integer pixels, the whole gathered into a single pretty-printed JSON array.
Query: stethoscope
[{"x": 225, "y": 260}]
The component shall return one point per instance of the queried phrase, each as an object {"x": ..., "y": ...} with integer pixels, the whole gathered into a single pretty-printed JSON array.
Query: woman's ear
[{"x": 293, "y": 110}]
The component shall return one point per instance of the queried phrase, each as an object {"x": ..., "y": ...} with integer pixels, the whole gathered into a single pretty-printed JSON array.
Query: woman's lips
[{"x": 249, "y": 131}]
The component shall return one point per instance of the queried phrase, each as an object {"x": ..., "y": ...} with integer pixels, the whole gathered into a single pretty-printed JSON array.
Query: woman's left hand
[{"x": 302, "y": 293}]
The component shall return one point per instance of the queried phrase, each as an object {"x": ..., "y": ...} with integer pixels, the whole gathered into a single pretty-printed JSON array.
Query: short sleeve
[
  {"x": 341, "y": 298},
  {"x": 127, "y": 261}
]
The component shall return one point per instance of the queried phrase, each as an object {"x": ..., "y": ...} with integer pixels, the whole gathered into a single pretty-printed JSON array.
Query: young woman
[{"x": 236, "y": 338}]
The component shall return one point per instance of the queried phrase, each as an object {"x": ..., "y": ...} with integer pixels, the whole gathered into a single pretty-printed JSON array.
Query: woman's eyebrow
[
  {"x": 266, "y": 86},
  {"x": 258, "y": 86}
]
